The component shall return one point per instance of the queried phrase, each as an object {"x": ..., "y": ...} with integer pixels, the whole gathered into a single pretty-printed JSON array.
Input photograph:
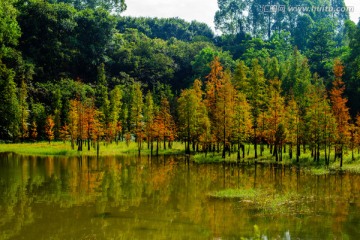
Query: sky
[{"x": 199, "y": 10}]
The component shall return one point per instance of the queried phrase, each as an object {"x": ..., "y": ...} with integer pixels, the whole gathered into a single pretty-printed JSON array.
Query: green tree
[
  {"x": 102, "y": 97},
  {"x": 321, "y": 47},
  {"x": 114, "y": 111},
  {"x": 24, "y": 111},
  {"x": 202, "y": 61},
  {"x": 57, "y": 106},
  {"x": 9, "y": 28},
  {"x": 192, "y": 117},
  {"x": 256, "y": 98},
  {"x": 9, "y": 105},
  {"x": 137, "y": 106},
  {"x": 242, "y": 126}
]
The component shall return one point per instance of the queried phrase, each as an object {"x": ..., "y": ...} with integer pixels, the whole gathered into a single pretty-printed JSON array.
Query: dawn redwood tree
[
  {"x": 188, "y": 104},
  {"x": 64, "y": 133},
  {"x": 114, "y": 125},
  {"x": 73, "y": 120},
  {"x": 319, "y": 130},
  {"x": 49, "y": 128},
  {"x": 357, "y": 132},
  {"x": 102, "y": 97},
  {"x": 242, "y": 125},
  {"x": 169, "y": 128},
  {"x": 240, "y": 77},
  {"x": 149, "y": 115},
  {"x": 89, "y": 121},
  {"x": 292, "y": 124},
  {"x": 192, "y": 116},
  {"x": 33, "y": 130},
  {"x": 24, "y": 111},
  {"x": 212, "y": 89},
  {"x": 57, "y": 105},
  {"x": 256, "y": 97},
  {"x": 275, "y": 114},
  {"x": 340, "y": 110},
  {"x": 158, "y": 129},
  {"x": 225, "y": 112},
  {"x": 137, "y": 106}
]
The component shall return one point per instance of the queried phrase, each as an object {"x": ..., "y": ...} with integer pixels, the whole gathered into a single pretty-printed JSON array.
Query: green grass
[
  {"x": 305, "y": 161},
  {"x": 64, "y": 149},
  {"x": 113, "y": 149},
  {"x": 245, "y": 194},
  {"x": 266, "y": 200}
]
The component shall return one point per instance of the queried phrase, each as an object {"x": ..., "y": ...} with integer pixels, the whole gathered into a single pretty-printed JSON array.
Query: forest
[{"x": 79, "y": 71}]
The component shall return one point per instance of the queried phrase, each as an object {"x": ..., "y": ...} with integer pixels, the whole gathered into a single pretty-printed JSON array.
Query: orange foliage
[{"x": 49, "y": 128}]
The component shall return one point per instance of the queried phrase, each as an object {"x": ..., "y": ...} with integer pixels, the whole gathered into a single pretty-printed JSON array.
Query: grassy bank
[
  {"x": 64, "y": 149},
  {"x": 305, "y": 161}
]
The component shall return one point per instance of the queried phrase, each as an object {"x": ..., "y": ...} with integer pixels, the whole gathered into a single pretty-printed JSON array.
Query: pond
[{"x": 163, "y": 198}]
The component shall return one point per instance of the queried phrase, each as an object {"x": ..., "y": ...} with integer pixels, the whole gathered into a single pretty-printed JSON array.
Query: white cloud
[
  {"x": 200, "y": 10},
  {"x": 356, "y": 14}
]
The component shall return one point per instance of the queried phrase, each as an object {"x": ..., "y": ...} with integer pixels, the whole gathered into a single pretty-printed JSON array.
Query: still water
[{"x": 163, "y": 198}]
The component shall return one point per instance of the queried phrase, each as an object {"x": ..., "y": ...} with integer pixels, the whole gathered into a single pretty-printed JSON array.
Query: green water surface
[{"x": 163, "y": 198}]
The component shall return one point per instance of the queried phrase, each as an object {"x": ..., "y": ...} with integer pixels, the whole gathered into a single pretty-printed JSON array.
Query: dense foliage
[{"x": 77, "y": 70}]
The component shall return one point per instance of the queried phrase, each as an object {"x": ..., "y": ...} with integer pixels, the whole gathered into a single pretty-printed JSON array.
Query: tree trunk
[{"x": 255, "y": 143}]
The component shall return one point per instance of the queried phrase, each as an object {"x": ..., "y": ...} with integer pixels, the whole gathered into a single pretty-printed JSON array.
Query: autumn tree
[
  {"x": 33, "y": 131},
  {"x": 149, "y": 115},
  {"x": 49, "y": 128},
  {"x": 275, "y": 115},
  {"x": 89, "y": 121},
  {"x": 225, "y": 112},
  {"x": 169, "y": 129},
  {"x": 73, "y": 120},
  {"x": 212, "y": 88},
  {"x": 340, "y": 110}
]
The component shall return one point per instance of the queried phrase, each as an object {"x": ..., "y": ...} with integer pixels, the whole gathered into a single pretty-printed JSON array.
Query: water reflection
[{"x": 162, "y": 198}]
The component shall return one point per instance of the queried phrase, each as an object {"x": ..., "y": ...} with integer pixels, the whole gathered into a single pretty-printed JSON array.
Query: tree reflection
[{"x": 143, "y": 197}]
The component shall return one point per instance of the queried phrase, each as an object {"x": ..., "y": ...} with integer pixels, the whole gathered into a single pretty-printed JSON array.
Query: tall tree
[
  {"x": 149, "y": 115},
  {"x": 73, "y": 122},
  {"x": 340, "y": 110},
  {"x": 192, "y": 116},
  {"x": 49, "y": 128},
  {"x": 24, "y": 111},
  {"x": 213, "y": 85},
  {"x": 9, "y": 105},
  {"x": 225, "y": 112},
  {"x": 256, "y": 98},
  {"x": 137, "y": 106},
  {"x": 242, "y": 126},
  {"x": 114, "y": 112},
  {"x": 275, "y": 114}
]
